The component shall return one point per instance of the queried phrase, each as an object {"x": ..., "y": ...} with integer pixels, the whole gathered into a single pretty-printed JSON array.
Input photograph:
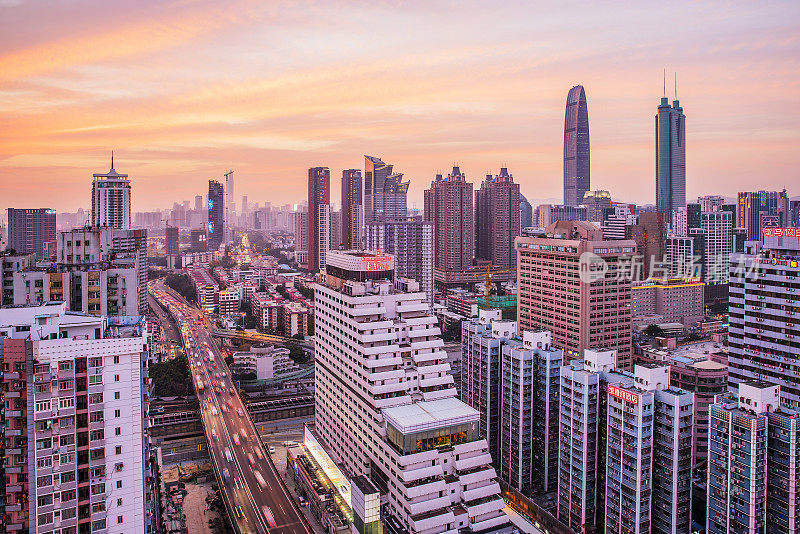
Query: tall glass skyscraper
[
  {"x": 216, "y": 214},
  {"x": 576, "y": 147},
  {"x": 670, "y": 158},
  {"x": 385, "y": 192}
]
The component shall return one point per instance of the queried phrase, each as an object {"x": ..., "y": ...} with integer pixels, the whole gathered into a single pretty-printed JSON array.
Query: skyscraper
[
  {"x": 759, "y": 209},
  {"x": 216, "y": 214},
  {"x": 405, "y": 430},
  {"x": 576, "y": 147},
  {"x": 319, "y": 216},
  {"x": 352, "y": 209},
  {"x": 385, "y": 194},
  {"x": 555, "y": 294},
  {"x": 670, "y": 158},
  {"x": 497, "y": 219},
  {"x": 198, "y": 202},
  {"x": 525, "y": 213},
  {"x": 762, "y": 335},
  {"x": 111, "y": 199},
  {"x": 31, "y": 231},
  {"x": 650, "y": 234},
  {"x": 448, "y": 205}
]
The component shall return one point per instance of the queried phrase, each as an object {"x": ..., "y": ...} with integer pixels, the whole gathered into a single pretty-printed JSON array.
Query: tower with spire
[{"x": 111, "y": 199}]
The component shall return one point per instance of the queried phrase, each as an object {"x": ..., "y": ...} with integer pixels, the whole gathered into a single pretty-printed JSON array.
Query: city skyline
[{"x": 174, "y": 126}]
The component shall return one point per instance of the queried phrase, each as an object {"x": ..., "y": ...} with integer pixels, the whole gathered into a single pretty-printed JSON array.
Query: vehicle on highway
[
  {"x": 231, "y": 391},
  {"x": 214, "y": 434},
  {"x": 238, "y": 511},
  {"x": 214, "y": 365},
  {"x": 214, "y": 410},
  {"x": 224, "y": 408},
  {"x": 236, "y": 439},
  {"x": 259, "y": 453},
  {"x": 228, "y": 455},
  {"x": 260, "y": 479},
  {"x": 271, "y": 449},
  {"x": 226, "y": 475},
  {"x": 251, "y": 460},
  {"x": 268, "y": 516},
  {"x": 240, "y": 412},
  {"x": 244, "y": 433}
]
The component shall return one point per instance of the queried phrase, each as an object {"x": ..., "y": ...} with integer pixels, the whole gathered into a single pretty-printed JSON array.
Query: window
[
  {"x": 95, "y": 362},
  {"x": 116, "y": 395},
  {"x": 67, "y": 439},
  {"x": 68, "y": 476},
  {"x": 98, "y": 488},
  {"x": 119, "y": 502},
  {"x": 68, "y": 495},
  {"x": 96, "y": 454},
  {"x": 64, "y": 366},
  {"x": 99, "y": 507},
  {"x": 95, "y": 380},
  {"x": 66, "y": 402},
  {"x": 96, "y": 417},
  {"x": 116, "y": 378},
  {"x": 118, "y": 449},
  {"x": 44, "y": 443},
  {"x": 67, "y": 513},
  {"x": 98, "y": 471},
  {"x": 100, "y": 524},
  {"x": 42, "y": 481},
  {"x": 116, "y": 359},
  {"x": 66, "y": 422},
  {"x": 45, "y": 519},
  {"x": 96, "y": 398},
  {"x": 67, "y": 458},
  {"x": 117, "y": 431},
  {"x": 117, "y": 413},
  {"x": 119, "y": 519},
  {"x": 97, "y": 434},
  {"x": 66, "y": 384},
  {"x": 44, "y": 500},
  {"x": 119, "y": 484},
  {"x": 42, "y": 405},
  {"x": 45, "y": 462}
]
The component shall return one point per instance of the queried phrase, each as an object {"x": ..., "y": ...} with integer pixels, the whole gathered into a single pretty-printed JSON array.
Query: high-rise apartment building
[
  {"x": 756, "y": 210},
  {"x": 576, "y": 147},
  {"x": 764, "y": 291},
  {"x": 319, "y": 216},
  {"x": 335, "y": 225},
  {"x": 9, "y": 265},
  {"x": 87, "y": 415},
  {"x": 625, "y": 448},
  {"x": 712, "y": 241},
  {"x": 576, "y": 285},
  {"x": 410, "y": 242},
  {"x": 171, "y": 240},
  {"x": 753, "y": 471},
  {"x": 711, "y": 203},
  {"x": 385, "y": 192},
  {"x": 15, "y": 506},
  {"x": 216, "y": 214},
  {"x": 448, "y": 205},
  {"x": 650, "y": 234},
  {"x": 670, "y": 158},
  {"x": 679, "y": 258},
  {"x": 547, "y": 214},
  {"x": 497, "y": 219},
  {"x": 352, "y": 209},
  {"x": 513, "y": 382},
  {"x": 31, "y": 231},
  {"x": 675, "y": 300},
  {"x": 198, "y": 202},
  {"x": 386, "y": 405},
  {"x": 111, "y": 199}
]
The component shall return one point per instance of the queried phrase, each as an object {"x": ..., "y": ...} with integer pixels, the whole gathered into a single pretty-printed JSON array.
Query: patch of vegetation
[
  {"x": 654, "y": 331},
  {"x": 452, "y": 332},
  {"x": 298, "y": 355},
  {"x": 183, "y": 285},
  {"x": 171, "y": 378}
]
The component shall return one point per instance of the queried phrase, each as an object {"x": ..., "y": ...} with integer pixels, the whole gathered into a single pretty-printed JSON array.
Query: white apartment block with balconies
[{"x": 386, "y": 403}]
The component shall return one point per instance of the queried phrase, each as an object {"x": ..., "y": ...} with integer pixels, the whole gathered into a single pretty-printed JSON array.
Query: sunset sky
[{"x": 182, "y": 91}]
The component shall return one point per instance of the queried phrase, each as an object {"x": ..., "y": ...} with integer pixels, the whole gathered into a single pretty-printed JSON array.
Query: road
[{"x": 252, "y": 486}]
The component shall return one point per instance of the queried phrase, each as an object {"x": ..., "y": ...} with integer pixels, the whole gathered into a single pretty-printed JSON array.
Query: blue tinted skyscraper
[
  {"x": 670, "y": 158},
  {"x": 216, "y": 214},
  {"x": 576, "y": 147}
]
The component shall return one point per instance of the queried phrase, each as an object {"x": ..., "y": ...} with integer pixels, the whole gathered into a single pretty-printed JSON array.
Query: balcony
[
  {"x": 492, "y": 522},
  {"x": 424, "y": 486},
  {"x": 464, "y": 464},
  {"x": 412, "y": 474},
  {"x": 430, "y": 520},
  {"x": 429, "y": 505},
  {"x": 481, "y": 492},
  {"x": 486, "y": 505}
]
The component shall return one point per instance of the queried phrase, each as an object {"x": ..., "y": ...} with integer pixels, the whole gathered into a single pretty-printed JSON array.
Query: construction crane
[{"x": 488, "y": 279}]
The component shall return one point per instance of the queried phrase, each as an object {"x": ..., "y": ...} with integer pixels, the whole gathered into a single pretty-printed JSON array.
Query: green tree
[
  {"x": 183, "y": 285},
  {"x": 298, "y": 355},
  {"x": 654, "y": 331},
  {"x": 229, "y": 361},
  {"x": 171, "y": 378}
]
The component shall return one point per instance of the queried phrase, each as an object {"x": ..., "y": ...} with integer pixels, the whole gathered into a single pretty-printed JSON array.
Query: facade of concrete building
[
  {"x": 482, "y": 341},
  {"x": 497, "y": 220},
  {"x": 676, "y": 300},
  {"x": 198, "y": 241},
  {"x": 31, "y": 230},
  {"x": 267, "y": 362},
  {"x": 411, "y": 243},
  {"x": 529, "y": 436},
  {"x": 763, "y": 312},
  {"x": 679, "y": 258},
  {"x": 557, "y": 293},
  {"x": 352, "y": 208},
  {"x": 228, "y": 302},
  {"x": 319, "y": 216},
  {"x": 172, "y": 240},
  {"x": 746, "y": 491},
  {"x": 111, "y": 199},
  {"x": 650, "y": 234},
  {"x": 525, "y": 213},
  {"x": 16, "y": 355},
  {"x": 87, "y": 405},
  {"x": 448, "y": 205},
  {"x": 547, "y": 214},
  {"x": 706, "y": 376},
  {"x": 386, "y": 405},
  {"x": 10, "y": 264}
]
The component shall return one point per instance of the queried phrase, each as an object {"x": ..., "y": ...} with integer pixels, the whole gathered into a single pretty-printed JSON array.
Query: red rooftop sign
[
  {"x": 621, "y": 394},
  {"x": 781, "y": 232},
  {"x": 378, "y": 262}
]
